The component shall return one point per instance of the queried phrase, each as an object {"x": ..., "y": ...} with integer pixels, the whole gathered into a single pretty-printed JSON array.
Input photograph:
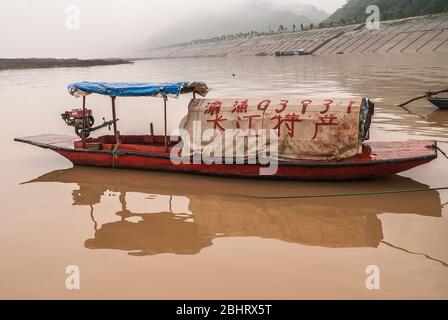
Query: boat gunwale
[
  {"x": 301, "y": 163},
  {"x": 436, "y": 98}
]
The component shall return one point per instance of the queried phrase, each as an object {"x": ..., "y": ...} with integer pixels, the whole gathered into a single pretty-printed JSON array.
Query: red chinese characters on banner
[
  {"x": 327, "y": 104},
  {"x": 250, "y": 117},
  {"x": 281, "y": 119},
  {"x": 213, "y": 107},
  {"x": 240, "y": 106},
  {"x": 283, "y": 105},
  {"x": 305, "y": 104},
  {"x": 248, "y": 132},
  {"x": 350, "y": 105},
  {"x": 324, "y": 121},
  {"x": 216, "y": 122},
  {"x": 289, "y": 120},
  {"x": 263, "y": 105}
]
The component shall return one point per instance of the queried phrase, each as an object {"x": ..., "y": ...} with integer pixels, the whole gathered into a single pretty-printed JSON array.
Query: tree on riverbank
[{"x": 354, "y": 10}]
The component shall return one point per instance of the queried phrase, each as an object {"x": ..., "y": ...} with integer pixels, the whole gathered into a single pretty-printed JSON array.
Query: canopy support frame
[
  {"x": 165, "y": 98},
  {"x": 84, "y": 121},
  {"x": 114, "y": 118}
]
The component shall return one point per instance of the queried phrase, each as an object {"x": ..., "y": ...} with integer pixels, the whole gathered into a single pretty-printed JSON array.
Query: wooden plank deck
[{"x": 52, "y": 141}]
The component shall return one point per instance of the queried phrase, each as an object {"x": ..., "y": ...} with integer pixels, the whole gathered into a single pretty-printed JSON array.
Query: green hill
[{"x": 354, "y": 10}]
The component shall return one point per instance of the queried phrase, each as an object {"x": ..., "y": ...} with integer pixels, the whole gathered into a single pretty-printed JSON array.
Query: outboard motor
[{"x": 83, "y": 122}]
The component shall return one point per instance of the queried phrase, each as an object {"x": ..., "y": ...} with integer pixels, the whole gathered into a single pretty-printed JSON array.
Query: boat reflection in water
[{"x": 191, "y": 211}]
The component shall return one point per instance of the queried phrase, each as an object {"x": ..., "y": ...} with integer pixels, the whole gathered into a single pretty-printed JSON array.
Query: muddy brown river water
[{"x": 153, "y": 235}]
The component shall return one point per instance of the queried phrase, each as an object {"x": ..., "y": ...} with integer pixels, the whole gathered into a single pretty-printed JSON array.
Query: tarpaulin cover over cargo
[{"x": 307, "y": 128}]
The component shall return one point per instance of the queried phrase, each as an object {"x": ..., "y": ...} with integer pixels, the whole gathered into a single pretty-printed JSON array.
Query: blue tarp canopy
[{"x": 137, "y": 89}]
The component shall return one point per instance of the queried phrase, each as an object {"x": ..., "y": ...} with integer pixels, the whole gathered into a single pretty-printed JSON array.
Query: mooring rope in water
[
  {"x": 347, "y": 194},
  {"x": 416, "y": 253},
  {"x": 427, "y": 94},
  {"x": 371, "y": 193},
  {"x": 441, "y": 151}
]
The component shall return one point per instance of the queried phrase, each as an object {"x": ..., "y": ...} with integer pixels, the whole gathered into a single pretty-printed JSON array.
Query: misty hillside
[
  {"x": 354, "y": 10},
  {"x": 258, "y": 15}
]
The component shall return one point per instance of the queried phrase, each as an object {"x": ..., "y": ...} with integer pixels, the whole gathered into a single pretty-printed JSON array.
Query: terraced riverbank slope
[{"x": 421, "y": 34}]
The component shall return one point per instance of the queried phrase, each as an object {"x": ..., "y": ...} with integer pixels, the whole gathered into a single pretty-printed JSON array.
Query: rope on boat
[
  {"x": 114, "y": 155},
  {"x": 348, "y": 194},
  {"x": 114, "y": 150}
]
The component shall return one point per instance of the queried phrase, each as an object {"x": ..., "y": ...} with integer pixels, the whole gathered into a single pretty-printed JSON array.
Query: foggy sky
[{"x": 107, "y": 28}]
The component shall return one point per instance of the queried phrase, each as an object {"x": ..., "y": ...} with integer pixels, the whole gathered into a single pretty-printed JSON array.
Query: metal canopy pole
[
  {"x": 114, "y": 118},
  {"x": 164, "y": 114},
  {"x": 84, "y": 121}
]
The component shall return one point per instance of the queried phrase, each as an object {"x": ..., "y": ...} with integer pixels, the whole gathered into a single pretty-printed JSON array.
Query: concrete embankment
[{"x": 421, "y": 34}]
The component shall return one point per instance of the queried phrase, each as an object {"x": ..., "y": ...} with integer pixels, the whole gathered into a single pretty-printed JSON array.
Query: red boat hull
[
  {"x": 352, "y": 172},
  {"x": 378, "y": 159}
]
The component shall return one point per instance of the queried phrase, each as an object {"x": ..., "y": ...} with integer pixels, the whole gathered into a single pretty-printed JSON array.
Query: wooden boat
[
  {"x": 143, "y": 152},
  {"x": 291, "y": 53},
  {"x": 153, "y": 152},
  {"x": 441, "y": 103}
]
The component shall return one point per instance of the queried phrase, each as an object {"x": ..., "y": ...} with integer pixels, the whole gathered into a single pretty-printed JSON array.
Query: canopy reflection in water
[{"x": 223, "y": 208}]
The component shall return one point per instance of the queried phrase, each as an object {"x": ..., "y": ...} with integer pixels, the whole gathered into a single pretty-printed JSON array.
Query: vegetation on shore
[
  {"x": 354, "y": 11},
  {"x": 246, "y": 35},
  {"x": 26, "y": 63}
]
